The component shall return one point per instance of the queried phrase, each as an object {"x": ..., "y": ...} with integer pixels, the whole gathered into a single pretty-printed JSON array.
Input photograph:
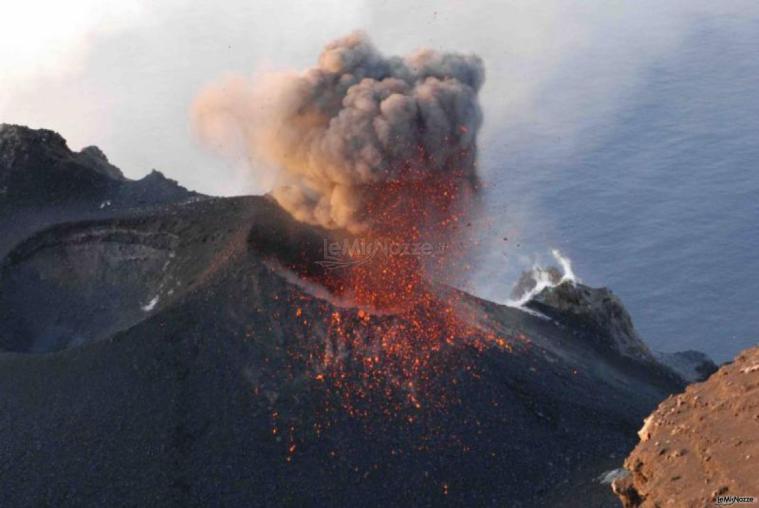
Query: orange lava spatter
[{"x": 398, "y": 355}]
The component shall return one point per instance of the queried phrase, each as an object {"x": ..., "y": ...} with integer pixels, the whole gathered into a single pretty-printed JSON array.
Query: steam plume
[{"x": 354, "y": 129}]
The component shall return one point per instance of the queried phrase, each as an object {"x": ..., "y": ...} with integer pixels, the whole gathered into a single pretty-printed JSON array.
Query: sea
[{"x": 658, "y": 201}]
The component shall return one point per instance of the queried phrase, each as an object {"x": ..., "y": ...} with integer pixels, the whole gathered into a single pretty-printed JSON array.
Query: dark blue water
[{"x": 660, "y": 202}]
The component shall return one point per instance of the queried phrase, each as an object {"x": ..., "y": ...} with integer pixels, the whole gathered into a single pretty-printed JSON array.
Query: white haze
[{"x": 124, "y": 77}]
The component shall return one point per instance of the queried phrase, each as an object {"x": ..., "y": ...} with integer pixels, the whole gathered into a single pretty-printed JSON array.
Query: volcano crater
[{"x": 70, "y": 286}]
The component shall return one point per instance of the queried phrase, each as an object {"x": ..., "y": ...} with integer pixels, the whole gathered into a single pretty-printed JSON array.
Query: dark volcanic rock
[
  {"x": 701, "y": 444},
  {"x": 93, "y": 157},
  {"x": 36, "y": 166},
  {"x": 152, "y": 189},
  {"x": 181, "y": 354},
  {"x": 42, "y": 182},
  {"x": 596, "y": 310},
  {"x": 608, "y": 328},
  {"x": 692, "y": 366},
  {"x": 201, "y": 398}
]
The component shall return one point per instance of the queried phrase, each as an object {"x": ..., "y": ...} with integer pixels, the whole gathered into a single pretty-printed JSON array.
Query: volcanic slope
[
  {"x": 44, "y": 182},
  {"x": 187, "y": 356}
]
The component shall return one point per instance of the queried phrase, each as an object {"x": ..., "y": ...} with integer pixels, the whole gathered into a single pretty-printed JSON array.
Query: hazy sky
[{"x": 122, "y": 75}]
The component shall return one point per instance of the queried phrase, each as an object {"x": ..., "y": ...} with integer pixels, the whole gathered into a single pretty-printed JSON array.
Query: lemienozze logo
[
  {"x": 345, "y": 253},
  {"x": 731, "y": 500}
]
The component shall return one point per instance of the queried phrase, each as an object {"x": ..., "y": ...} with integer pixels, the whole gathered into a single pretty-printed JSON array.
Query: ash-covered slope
[
  {"x": 42, "y": 182},
  {"x": 37, "y": 166},
  {"x": 177, "y": 355},
  {"x": 700, "y": 445}
]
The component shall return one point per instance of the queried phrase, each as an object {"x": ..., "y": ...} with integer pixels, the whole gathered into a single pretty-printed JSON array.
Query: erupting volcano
[
  {"x": 212, "y": 349},
  {"x": 382, "y": 150},
  {"x": 308, "y": 338}
]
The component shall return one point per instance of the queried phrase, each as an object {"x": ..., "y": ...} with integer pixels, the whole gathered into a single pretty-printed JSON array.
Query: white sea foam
[
  {"x": 543, "y": 279},
  {"x": 150, "y": 305}
]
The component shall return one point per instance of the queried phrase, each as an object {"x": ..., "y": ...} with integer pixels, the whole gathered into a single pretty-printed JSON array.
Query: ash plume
[{"x": 355, "y": 135}]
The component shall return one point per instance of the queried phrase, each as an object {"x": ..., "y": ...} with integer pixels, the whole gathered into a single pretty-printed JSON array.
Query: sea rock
[
  {"x": 596, "y": 309},
  {"x": 692, "y": 366}
]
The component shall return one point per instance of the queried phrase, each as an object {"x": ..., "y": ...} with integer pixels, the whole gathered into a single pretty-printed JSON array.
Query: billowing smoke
[{"x": 358, "y": 128}]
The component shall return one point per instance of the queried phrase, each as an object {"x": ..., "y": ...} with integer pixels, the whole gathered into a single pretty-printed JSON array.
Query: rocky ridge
[{"x": 700, "y": 447}]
